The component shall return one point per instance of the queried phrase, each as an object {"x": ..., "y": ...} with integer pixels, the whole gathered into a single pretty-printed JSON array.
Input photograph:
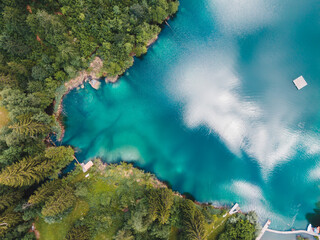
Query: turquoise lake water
[{"x": 212, "y": 108}]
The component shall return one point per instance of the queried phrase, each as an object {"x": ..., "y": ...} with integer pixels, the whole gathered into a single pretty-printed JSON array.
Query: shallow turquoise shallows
[{"x": 213, "y": 110}]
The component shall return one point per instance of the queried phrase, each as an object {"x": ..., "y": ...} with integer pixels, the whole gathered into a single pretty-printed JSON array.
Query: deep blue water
[{"x": 212, "y": 108}]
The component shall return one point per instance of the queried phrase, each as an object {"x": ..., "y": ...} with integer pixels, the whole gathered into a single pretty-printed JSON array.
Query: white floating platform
[{"x": 300, "y": 82}]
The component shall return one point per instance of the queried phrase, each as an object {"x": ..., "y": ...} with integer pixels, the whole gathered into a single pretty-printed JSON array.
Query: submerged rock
[
  {"x": 95, "y": 84},
  {"x": 111, "y": 79}
]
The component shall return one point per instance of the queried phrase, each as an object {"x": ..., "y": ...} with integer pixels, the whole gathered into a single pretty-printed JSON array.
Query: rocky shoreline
[{"x": 93, "y": 77}]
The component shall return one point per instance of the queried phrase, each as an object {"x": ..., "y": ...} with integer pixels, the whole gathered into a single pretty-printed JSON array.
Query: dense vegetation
[
  {"x": 122, "y": 202},
  {"x": 44, "y": 43}
]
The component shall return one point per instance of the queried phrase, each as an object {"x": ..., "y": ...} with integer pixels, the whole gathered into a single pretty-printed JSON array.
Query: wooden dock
[
  {"x": 264, "y": 229},
  {"x": 87, "y": 166},
  {"x": 233, "y": 210}
]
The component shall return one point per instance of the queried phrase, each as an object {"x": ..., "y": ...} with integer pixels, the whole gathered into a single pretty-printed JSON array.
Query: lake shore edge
[{"x": 86, "y": 76}]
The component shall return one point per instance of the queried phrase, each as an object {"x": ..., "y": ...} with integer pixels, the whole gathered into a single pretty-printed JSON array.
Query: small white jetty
[
  {"x": 309, "y": 232},
  {"x": 87, "y": 166},
  {"x": 233, "y": 210},
  {"x": 300, "y": 82},
  {"x": 263, "y": 230}
]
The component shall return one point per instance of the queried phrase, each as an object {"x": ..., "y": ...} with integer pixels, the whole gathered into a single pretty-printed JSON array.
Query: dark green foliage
[
  {"x": 160, "y": 203},
  {"x": 44, "y": 191},
  {"x": 20, "y": 231},
  {"x": 9, "y": 219},
  {"x": 45, "y": 43},
  {"x": 42, "y": 46},
  {"x": 32, "y": 170},
  {"x": 9, "y": 198},
  {"x": 238, "y": 228},
  {"x": 59, "y": 202},
  {"x": 28, "y": 127},
  {"x": 58, "y": 158},
  {"x": 23, "y": 173},
  {"x": 193, "y": 221},
  {"x": 78, "y": 233}
]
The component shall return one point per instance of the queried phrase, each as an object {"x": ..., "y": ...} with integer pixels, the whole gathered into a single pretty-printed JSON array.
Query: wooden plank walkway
[{"x": 264, "y": 229}]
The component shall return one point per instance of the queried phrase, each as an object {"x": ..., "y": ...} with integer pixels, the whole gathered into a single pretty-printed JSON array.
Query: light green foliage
[
  {"x": 59, "y": 229},
  {"x": 124, "y": 235}
]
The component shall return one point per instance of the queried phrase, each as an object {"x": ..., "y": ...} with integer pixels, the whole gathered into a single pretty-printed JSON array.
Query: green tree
[
  {"x": 193, "y": 220},
  {"x": 9, "y": 219},
  {"x": 58, "y": 158},
  {"x": 45, "y": 191},
  {"x": 78, "y": 233},
  {"x": 240, "y": 230},
  {"x": 139, "y": 218},
  {"x": 124, "y": 235},
  {"x": 160, "y": 203},
  {"x": 9, "y": 198},
  {"x": 22, "y": 173},
  {"x": 28, "y": 127},
  {"x": 59, "y": 202}
]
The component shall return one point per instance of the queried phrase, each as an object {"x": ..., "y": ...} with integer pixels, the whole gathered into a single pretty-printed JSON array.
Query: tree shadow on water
[{"x": 314, "y": 218}]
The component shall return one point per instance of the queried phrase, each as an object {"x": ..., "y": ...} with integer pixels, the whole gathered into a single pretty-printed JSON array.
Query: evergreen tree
[
  {"x": 9, "y": 219},
  {"x": 28, "y": 127},
  {"x": 22, "y": 173},
  {"x": 44, "y": 191},
  {"x": 78, "y": 233},
  {"x": 31, "y": 170},
  {"x": 9, "y": 198},
  {"x": 153, "y": 199},
  {"x": 165, "y": 201},
  {"x": 58, "y": 158},
  {"x": 60, "y": 201},
  {"x": 194, "y": 222},
  {"x": 160, "y": 203}
]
